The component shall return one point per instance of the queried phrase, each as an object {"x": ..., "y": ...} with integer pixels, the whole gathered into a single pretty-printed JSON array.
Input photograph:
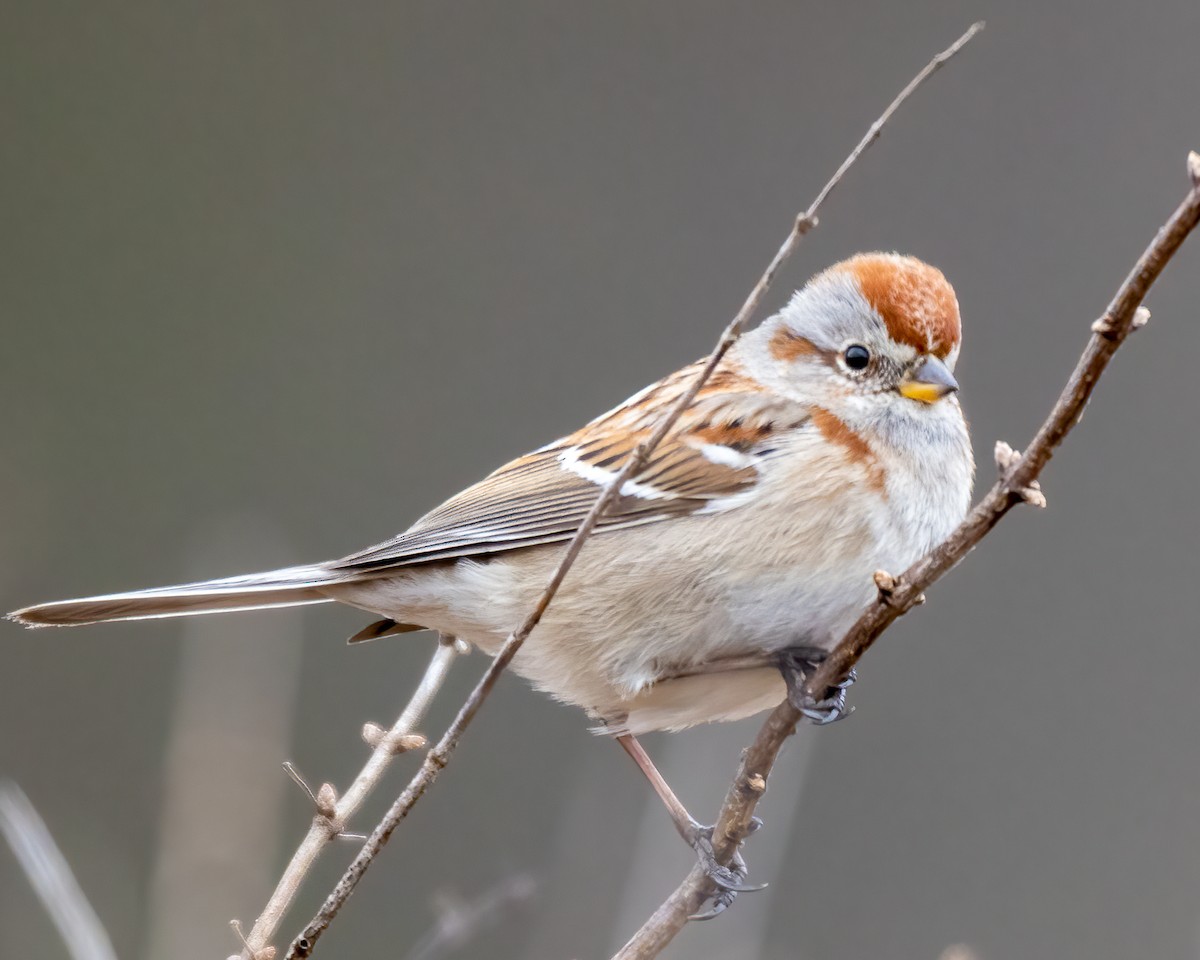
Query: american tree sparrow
[{"x": 827, "y": 444}]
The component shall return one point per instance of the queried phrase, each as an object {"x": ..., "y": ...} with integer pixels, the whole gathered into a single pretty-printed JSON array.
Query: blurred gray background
[{"x": 278, "y": 277}]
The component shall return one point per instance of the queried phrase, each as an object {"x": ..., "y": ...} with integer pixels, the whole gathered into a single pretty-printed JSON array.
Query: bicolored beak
[{"x": 929, "y": 381}]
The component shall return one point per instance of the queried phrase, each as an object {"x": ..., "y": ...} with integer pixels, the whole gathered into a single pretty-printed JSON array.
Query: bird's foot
[
  {"x": 797, "y": 665},
  {"x": 730, "y": 880}
]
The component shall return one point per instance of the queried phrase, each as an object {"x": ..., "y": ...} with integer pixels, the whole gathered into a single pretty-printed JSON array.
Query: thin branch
[
  {"x": 439, "y": 756},
  {"x": 51, "y": 877},
  {"x": 332, "y": 813},
  {"x": 897, "y": 595}
]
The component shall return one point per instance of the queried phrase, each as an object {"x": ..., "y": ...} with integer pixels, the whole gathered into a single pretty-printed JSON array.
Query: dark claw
[
  {"x": 849, "y": 681},
  {"x": 796, "y": 666},
  {"x": 720, "y": 903},
  {"x": 730, "y": 877},
  {"x": 727, "y": 893},
  {"x": 730, "y": 880}
]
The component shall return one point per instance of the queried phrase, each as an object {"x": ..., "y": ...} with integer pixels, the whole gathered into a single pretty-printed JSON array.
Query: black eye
[{"x": 857, "y": 356}]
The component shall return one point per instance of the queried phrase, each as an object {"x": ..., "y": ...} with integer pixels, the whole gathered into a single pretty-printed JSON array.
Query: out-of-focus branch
[
  {"x": 958, "y": 951},
  {"x": 439, "y": 756},
  {"x": 210, "y": 861},
  {"x": 1018, "y": 483},
  {"x": 333, "y": 813},
  {"x": 51, "y": 877},
  {"x": 460, "y": 921}
]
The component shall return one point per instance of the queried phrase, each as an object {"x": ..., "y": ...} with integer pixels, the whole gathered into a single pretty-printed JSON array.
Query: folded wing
[{"x": 709, "y": 462}]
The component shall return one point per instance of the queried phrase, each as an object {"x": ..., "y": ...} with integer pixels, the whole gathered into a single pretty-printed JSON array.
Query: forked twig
[
  {"x": 439, "y": 756},
  {"x": 897, "y": 595},
  {"x": 332, "y": 813}
]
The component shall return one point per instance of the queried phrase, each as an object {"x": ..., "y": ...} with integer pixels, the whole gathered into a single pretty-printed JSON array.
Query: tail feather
[{"x": 289, "y": 587}]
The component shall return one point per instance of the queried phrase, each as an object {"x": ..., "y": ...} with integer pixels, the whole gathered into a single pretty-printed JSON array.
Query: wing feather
[{"x": 542, "y": 497}]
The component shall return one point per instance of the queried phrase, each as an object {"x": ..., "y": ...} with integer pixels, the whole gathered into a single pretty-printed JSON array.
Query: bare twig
[
  {"x": 897, "y": 595},
  {"x": 439, "y": 756},
  {"x": 51, "y": 877},
  {"x": 333, "y": 813}
]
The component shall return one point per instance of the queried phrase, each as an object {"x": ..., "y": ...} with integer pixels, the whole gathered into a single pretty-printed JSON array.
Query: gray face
[{"x": 858, "y": 371}]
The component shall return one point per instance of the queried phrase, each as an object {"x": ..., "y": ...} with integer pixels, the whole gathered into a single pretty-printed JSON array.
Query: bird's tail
[{"x": 276, "y": 588}]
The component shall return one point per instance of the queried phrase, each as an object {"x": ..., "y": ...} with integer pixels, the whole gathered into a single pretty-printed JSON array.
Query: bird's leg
[
  {"x": 797, "y": 664},
  {"x": 730, "y": 880}
]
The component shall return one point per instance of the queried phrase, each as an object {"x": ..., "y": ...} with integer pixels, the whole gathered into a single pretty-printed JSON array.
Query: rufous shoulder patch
[
  {"x": 738, "y": 434},
  {"x": 915, "y": 300},
  {"x": 727, "y": 378}
]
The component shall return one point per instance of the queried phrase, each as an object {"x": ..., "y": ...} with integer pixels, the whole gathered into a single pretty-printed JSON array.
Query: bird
[{"x": 828, "y": 443}]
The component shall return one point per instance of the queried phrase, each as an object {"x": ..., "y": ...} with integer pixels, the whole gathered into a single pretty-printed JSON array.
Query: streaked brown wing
[{"x": 543, "y": 496}]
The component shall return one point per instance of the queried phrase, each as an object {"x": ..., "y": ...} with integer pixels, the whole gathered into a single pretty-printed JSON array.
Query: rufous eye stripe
[{"x": 787, "y": 345}]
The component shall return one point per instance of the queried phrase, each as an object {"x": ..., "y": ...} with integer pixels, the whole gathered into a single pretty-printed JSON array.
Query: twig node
[
  {"x": 1108, "y": 328},
  {"x": 1007, "y": 461},
  {"x": 1104, "y": 327},
  {"x": 1006, "y": 458},
  {"x": 327, "y": 800},
  {"x": 266, "y": 953},
  {"x": 887, "y": 585},
  {"x": 375, "y": 736},
  {"x": 1032, "y": 495}
]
